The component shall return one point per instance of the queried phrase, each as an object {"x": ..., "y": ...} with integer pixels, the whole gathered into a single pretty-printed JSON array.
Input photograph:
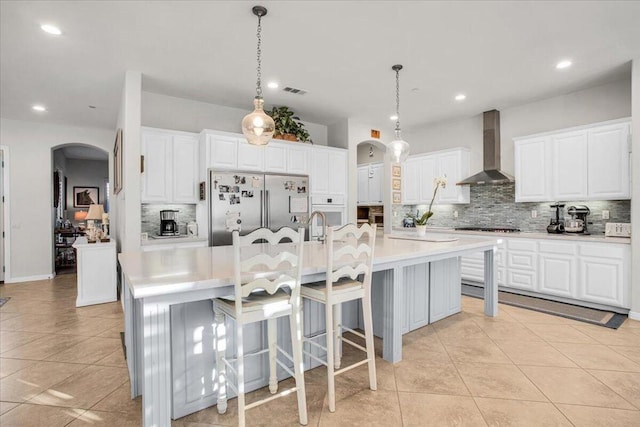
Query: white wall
[
  {"x": 635, "y": 195},
  {"x": 597, "y": 104},
  {"x": 363, "y": 154},
  {"x": 85, "y": 173},
  {"x": 31, "y": 194},
  {"x": 168, "y": 112}
]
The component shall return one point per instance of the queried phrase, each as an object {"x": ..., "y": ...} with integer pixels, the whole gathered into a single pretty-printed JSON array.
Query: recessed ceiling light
[
  {"x": 461, "y": 97},
  {"x": 272, "y": 85},
  {"x": 39, "y": 108},
  {"x": 394, "y": 117},
  {"x": 51, "y": 29},
  {"x": 563, "y": 64}
]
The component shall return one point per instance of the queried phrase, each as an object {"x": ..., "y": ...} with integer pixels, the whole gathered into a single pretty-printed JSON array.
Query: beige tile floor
[{"x": 61, "y": 365}]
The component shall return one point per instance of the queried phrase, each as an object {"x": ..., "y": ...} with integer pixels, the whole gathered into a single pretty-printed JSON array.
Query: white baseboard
[
  {"x": 29, "y": 278},
  {"x": 634, "y": 315}
]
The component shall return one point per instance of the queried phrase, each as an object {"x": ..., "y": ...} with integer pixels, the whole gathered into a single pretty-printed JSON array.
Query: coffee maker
[
  {"x": 578, "y": 222},
  {"x": 556, "y": 225},
  {"x": 169, "y": 223}
]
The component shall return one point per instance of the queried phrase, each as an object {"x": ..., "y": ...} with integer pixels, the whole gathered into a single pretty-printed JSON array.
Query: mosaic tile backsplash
[
  {"x": 495, "y": 206},
  {"x": 151, "y": 217}
]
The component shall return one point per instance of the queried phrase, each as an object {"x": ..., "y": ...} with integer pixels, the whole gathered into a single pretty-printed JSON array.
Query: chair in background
[
  {"x": 261, "y": 275},
  {"x": 349, "y": 262}
]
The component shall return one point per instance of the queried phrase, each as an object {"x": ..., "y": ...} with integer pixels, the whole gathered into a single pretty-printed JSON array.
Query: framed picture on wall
[
  {"x": 397, "y": 184},
  {"x": 117, "y": 163},
  {"x": 396, "y": 171},
  {"x": 85, "y": 196},
  {"x": 397, "y": 198}
]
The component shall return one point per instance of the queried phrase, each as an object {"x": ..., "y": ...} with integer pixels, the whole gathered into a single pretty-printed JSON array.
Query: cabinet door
[
  {"x": 320, "y": 171},
  {"x": 411, "y": 182},
  {"x": 521, "y": 264},
  {"x": 604, "y": 274},
  {"x": 570, "y": 165},
  {"x": 557, "y": 268},
  {"x": 363, "y": 185},
  {"x": 608, "y": 162},
  {"x": 445, "y": 289},
  {"x": 428, "y": 174},
  {"x": 376, "y": 173},
  {"x": 156, "y": 149},
  {"x": 416, "y": 297},
  {"x": 532, "y": 170},
  {"x": 223, "y": 152},
  {"x": 250, "y": 157},
  {"x": 338, "y": 172},
  {"x": 275, "y": 158},
  {"x": 297, "y": 160},
  {"x": 185, "y": 169},
  {"x": 449, "y": 165}
]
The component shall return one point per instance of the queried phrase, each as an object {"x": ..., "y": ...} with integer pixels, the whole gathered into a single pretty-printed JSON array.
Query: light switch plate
[
  {"x": 605, "y": 214},
  {"x": 534, "y": 213}
]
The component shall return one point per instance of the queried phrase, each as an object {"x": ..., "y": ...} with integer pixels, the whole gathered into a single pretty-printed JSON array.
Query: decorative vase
[{"x": 421, "y": 229}]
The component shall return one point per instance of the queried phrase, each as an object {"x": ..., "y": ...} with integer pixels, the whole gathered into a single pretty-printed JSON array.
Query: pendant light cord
[
  {"x": 259, "y": 54},
  {"x": 398, "y": 99}
]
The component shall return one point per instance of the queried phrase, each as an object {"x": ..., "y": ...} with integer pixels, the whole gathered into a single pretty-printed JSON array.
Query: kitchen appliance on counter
[
  {"x": 246, "y": 201},
  {"x": 578, "y": 222},
  {"x": 617, "y": 229},
  {"x": 489, "y": 229},
  {"x": 192, "y": 229},
  {"x": 169, "y": 223},
  {"x": 556, "y": 225}
]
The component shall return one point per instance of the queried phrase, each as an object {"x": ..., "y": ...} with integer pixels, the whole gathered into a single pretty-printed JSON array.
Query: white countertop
[
  {"x": 591, "y": 238},
  {"x": 171, "y": 240},
  {"x": 165, "y": 272}
]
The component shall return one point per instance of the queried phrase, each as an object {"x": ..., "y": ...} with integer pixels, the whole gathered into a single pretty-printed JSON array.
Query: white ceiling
[{"x": 500, "y": 54}]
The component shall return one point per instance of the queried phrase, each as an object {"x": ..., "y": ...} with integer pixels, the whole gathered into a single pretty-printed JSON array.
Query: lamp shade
[
  {"x": 95, "y": 212},
  {"x": 257, "y": 126},
  {"x": 398, "y": 149},
  {"x": 80, "y": 215}
]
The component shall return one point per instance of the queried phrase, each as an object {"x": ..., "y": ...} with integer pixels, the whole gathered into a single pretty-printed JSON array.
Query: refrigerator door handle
[
  {"x": 267, "y": 219},
  {"x": 262, "y": 208}
]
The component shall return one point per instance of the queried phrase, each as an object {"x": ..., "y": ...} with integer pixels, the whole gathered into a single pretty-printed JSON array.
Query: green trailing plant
[{"x": 287, "y": 123}]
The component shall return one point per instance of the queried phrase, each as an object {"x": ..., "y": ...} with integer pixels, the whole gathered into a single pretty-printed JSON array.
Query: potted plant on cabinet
[
  {"x": 421, "y": 220},
  {"x": 288, "y": 126}
]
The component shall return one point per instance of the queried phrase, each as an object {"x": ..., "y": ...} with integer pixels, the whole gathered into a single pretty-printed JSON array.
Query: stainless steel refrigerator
[{"x": 247, "y": 201}]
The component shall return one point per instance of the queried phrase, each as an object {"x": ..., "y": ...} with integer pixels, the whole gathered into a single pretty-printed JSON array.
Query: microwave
[{"x": 617, "y": 229}]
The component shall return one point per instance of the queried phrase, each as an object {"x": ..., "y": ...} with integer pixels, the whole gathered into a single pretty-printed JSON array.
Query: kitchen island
[{"x": 154, "y": 282}]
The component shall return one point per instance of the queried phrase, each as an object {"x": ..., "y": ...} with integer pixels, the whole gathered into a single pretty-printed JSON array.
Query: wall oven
[{"x": 334, "y": 209}]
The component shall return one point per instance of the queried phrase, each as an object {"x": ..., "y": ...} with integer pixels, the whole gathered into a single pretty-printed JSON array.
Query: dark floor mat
[{"x": 3, "y": 301}]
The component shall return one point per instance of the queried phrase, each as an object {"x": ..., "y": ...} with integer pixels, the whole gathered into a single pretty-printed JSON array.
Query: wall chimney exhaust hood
[{"x": 491, "y": 173}]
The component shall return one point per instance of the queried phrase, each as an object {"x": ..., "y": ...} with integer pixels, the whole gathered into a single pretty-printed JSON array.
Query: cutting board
[{"x": 426, "y": 238}]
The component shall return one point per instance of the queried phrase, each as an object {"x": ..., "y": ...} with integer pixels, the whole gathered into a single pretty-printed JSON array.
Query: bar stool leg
[
  {"x": 295, "y": 322},
  {"x": 221, "y": 367},
  {"x": 331, "y": 387},
  {"x": 337, "y": 334},
  {"x": 368, "y": 333},
  {"x": 272, "y": 331}
]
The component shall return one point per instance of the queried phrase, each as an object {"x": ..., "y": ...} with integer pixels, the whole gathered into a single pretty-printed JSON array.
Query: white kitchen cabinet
[
  {"x": 97, "y": 272},
  {"x": 275, "y": 157},
  {"x": 445, "y": 289},
  {"x": 338, "y": 172},
  {"x": 411, "y": 181},
  {"x": 608, "y": 163},
  {"x": 250, "y": 157},
  {"x": 416, "y": 297},
  {"x": 558, "y": 268},
  {"x": 569, "y": 165},
  {"x": 532, "y": 170},
  {"x": 521, "y": 264},
  {"x": 428, "y": 173},
  {"x": 223, "y": 151},
  {"x": 585, "y": 163},
  {"x": 320, "y": 172},
  {"x": 454, "y": 166},
  {"x": 605, "y": 275},
  {"x": 370, "y": 178},
  {"x": 170, "y": 167},
  {"x": 328, "y": 171},
  {"x": 298, "y": 160}
]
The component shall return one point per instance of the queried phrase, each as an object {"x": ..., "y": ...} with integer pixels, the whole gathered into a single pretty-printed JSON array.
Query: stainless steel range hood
[{"x": 491, "y": 154}]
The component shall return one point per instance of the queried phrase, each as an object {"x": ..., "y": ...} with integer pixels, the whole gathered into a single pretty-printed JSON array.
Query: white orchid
[{"x": 440, "y": 181}]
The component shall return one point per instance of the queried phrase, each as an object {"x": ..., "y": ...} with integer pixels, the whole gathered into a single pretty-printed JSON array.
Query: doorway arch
[{"x": 381, "y": 147}]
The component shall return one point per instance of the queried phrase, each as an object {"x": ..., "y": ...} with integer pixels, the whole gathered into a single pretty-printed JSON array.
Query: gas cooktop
[{"x": 491, "y": 229}]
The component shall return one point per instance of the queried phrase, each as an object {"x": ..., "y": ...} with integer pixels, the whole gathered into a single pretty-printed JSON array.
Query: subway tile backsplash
[
  {"x": 151, "y": 217},
  {"x": 494, "y": 206}
]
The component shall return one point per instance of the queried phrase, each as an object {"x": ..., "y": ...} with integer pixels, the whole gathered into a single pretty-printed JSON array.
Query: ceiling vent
[{"x": 294, "y": 90}]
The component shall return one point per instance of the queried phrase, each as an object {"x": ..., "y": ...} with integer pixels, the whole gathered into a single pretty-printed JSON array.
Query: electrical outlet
[
  {"x": 455, "y": 214},
  {"x": 534, "y": 213},
  {"x": 395, "y": 214},
  {"x": 605, "y": 214}
]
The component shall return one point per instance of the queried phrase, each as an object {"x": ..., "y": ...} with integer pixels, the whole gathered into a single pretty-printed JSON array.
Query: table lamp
[
  {"x": 95, "y": 214},
  {"x": 79, "y": 217}
]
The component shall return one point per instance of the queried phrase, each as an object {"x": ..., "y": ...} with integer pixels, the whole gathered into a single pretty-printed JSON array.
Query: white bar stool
[
  {"x": 349, "y": 262},
  {"x": 260, "y": 273}
]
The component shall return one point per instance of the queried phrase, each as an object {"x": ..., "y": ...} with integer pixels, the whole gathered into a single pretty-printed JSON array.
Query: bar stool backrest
[{"x": 350, "y": 253}]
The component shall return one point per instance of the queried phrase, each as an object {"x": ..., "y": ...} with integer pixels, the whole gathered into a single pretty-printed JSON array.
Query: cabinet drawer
[
  {"x": 521, "y": 260},
  {"x": 558, "y": 248},
  {"x": 521, "y": 245},
  {"x": 521, "y": 279},
  {"x": 601, "y": 251}
]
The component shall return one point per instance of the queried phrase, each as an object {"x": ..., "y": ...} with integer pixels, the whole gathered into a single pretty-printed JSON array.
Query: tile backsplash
[
  {"x": 495, "y": 206},
  {"x": 151, "y": 217}
]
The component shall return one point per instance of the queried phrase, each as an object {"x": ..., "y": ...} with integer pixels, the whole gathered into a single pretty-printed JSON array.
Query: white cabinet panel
[
  {"x": 428, "y": 174},
  {"x": 570, "y": 165},
  {"x": 411, "y": 181},
  {"x": 454, "y": 167},
  {"x": 298, "y": 160},
  {"x": 376, "y": 179},
  {"x": 601, "y": 280},
  {"x": 557, "y": 275},
  {"x": 320, "y": 172},
  {"x": 275, "y": 158},
  {"x": 416, "y": 296},
  {"x": 250, "y": 157},
  {"x": 223, "y": 151},
  {"x": 363, "y": 185},
  {"x": 338, "y": 172},
  {"x": 445, "y": 292},
  {"x": 156, "y": 149},
  {"x": 532, "y": 170},
  {"x": 608, "y": 165},
  {"x": 185, "y": 169}
]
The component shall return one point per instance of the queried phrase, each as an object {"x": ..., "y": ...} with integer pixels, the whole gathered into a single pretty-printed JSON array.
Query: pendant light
[
  {"x": 257, "y": 126},
  {"x": 398, "y": 149}
]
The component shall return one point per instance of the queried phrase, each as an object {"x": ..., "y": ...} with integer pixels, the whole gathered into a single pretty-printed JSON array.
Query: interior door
[
  {"x": 287, "y": 200},
  {"x": 2, "y": 215}
]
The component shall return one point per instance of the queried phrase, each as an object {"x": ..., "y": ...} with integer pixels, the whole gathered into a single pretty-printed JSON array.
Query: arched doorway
[
  {"x": 80, "y": 178},
  {"x": 373, "y": 190}
]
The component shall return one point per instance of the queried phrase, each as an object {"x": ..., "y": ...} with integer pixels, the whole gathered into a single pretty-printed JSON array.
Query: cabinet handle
[{"x": 141, "y": 164}]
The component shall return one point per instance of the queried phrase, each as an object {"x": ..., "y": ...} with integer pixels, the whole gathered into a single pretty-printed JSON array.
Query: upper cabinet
[
  {"x": 370, "y": 179},
  {"x": 589, "y": 163},
  {"x": 169, "y": 167},
  {"x": 421, "y": 170},
  {"x": 328, "y": 171}
]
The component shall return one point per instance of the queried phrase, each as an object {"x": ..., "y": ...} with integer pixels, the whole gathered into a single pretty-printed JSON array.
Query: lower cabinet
[
  {"x": 604, "y": 275},
  {"x": 445, "y": 298}
]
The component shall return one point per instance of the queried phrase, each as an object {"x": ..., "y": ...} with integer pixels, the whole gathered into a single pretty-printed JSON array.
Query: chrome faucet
[{"x": 324, "y": 224}]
